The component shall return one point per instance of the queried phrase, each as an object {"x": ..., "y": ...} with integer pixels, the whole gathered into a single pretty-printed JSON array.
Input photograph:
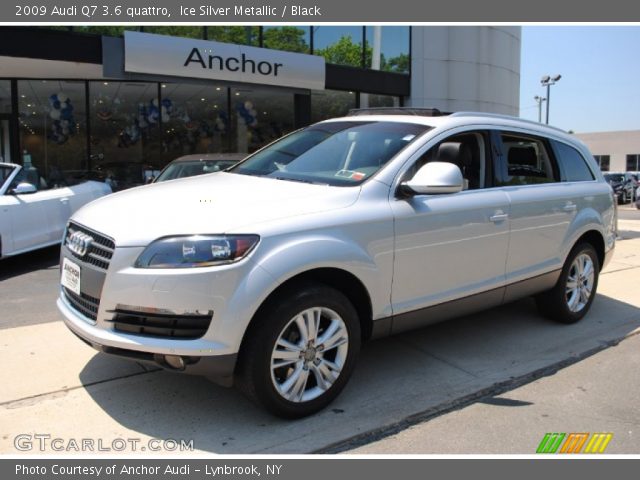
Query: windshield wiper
[{"x": 300, "y": 180}]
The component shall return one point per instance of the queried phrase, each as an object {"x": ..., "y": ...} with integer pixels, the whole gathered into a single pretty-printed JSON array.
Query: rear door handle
[
  {"x": 499, "y": 217},
  {"x": 570, "y": 207},
  {"x": 64, "y": 200}
]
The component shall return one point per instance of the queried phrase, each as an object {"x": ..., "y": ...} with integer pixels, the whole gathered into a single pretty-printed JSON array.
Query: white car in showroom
[{"x": 33, "y": 215}]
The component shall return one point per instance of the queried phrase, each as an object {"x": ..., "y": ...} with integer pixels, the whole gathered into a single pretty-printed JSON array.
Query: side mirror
[
  {"x": 435, "y": 178},
  {"x": 24, "y": 188}
]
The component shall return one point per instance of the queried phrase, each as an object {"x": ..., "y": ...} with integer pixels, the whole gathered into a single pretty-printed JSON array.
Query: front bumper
[
  {"x": 231, "y": 292},
  {"x": 218, "y": 368}
]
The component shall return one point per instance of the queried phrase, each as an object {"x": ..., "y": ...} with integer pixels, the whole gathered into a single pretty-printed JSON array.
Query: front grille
[
  {"x": 83, "y": 303},
  {"x": 100, "y": 250},
  {"x": 164, "y": 325}
]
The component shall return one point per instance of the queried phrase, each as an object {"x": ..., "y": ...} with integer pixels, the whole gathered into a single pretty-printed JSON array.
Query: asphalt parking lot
[{"x": 55, "y": 385}]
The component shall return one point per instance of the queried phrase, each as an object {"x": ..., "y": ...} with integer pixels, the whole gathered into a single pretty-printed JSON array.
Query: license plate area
[{"x": 70, "y": 276}]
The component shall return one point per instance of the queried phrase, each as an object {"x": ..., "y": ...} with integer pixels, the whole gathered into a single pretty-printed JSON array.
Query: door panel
[
  {"x": 448, "y": 246},
  {"x": 29, "y": 222},
  {"x": 540, "y": 219},
  {"x": 59, "y": 207},
  {"x": 541, "y": 206}
]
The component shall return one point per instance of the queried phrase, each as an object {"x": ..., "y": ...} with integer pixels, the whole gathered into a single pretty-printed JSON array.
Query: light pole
[
  {"x": 540, "y": 100},
  {"x": 547, "y": 81}
]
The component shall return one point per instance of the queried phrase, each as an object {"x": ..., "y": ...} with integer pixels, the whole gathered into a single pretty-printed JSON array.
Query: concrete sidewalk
[{"x": 54, "y": 384}]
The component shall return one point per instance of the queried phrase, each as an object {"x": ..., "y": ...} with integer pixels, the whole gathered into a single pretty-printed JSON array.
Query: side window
[
  {"x": 528, "y": 160},
  {"x": 469, "y": 151},
  {"x": 573, "y": 163}
]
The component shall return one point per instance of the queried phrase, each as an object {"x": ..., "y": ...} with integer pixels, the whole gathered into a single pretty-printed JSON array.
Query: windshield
[
  {"x": 612, "y": 177},
  {"x": 333, "y": 153},
  {"x": 192, "y": 168},
  {"x": 5, "y": 172}
]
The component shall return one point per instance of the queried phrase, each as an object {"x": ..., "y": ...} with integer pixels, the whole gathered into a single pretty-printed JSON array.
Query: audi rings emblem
[{"x": 79, "y": 242}]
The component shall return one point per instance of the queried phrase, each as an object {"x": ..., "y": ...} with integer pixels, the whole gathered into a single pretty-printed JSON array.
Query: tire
[
  {"x": 623, "y": 198},
  {"x": 566, "y": 305},
  {"x": 313, "y": 365}
]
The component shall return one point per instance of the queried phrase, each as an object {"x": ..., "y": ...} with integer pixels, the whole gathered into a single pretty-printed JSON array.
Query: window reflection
[
  {"x": 390, "y": 46},
  {"x": 331, "y": 103},
  {"x": 176, "y": 31},
  {"x": 52, "y": 122},
  {"x": 108, "y": 30},
  {"x": 241, "y": 35},
  {"x": 371, "y": 100},
  {"x": 290, "y": 39},
  {"x": 339, "y": 45}
]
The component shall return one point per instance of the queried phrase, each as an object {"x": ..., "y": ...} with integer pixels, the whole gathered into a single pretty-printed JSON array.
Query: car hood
[{"x": 215, "y": 203}]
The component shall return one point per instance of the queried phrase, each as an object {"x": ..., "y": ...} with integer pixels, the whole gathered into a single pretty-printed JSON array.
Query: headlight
[{"x": 196, "y": 251}]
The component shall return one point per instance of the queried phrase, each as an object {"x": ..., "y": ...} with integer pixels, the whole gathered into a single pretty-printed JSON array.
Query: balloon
[
  {"x": 54, "y": 114},
  {"x": 62, "y": 97},
  {"x": 248, "y": 105}
]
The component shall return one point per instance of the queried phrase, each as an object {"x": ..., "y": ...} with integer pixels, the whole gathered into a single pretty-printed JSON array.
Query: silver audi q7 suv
[{"x": 272, "y": 273}]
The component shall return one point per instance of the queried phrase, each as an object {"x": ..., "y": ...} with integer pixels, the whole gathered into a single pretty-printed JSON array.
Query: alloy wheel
[
  {"x": 309, "y": 354},
  {"x": 580, "y": 282}
]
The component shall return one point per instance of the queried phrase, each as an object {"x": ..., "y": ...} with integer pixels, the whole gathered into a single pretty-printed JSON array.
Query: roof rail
[
  {"x": 423, "y": 112},
  {"x": 504, "y": 117}
]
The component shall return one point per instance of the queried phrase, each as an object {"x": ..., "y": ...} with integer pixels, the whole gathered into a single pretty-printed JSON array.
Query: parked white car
[{"x": 34, "y": 216}]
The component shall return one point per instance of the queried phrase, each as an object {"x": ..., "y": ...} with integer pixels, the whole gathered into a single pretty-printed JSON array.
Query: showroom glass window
[
  {"x": 371, "y": 100},
  {"x": 195, "y": 119},
  {"x": 108, "y": 30},
  {"x": 177, "y": 31},
  {"x": 339, "y": 45},
  {"x": 125, "y": 129},
  {"x": 289, "y": 38},
  {"x": 52, "y": 125},
  {"x": 390, "y": 46},
  {"x": 259, "y": 116},
  {"x": 5, "y": 109},
  {"x": 330, "y": 104},
  {"x": 238, "y": 34}
]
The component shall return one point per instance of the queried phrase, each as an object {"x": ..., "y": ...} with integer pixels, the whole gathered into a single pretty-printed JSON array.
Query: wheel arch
[
  {"x": 345, "y": 282},
  {"x": 594, "y": 238}
]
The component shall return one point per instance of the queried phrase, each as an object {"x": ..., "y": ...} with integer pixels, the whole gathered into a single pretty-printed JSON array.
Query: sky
[{"x": 600, "y": 67}]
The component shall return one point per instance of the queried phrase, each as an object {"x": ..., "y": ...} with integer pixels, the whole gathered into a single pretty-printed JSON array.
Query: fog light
[{"x": 175, "y": 361}]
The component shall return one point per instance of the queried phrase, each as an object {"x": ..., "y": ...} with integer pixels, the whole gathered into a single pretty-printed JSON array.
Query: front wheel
[
  {"x": 300, "y": 351},
  {"x": 570, "y": 300}
]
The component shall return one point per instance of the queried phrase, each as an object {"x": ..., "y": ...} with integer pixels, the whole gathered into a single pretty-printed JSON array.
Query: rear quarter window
[{"x": 573, "y": 164}]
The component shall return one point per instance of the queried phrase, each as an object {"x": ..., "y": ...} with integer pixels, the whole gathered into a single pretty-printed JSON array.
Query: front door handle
[
  {"x": 499, "y": 217},
  {"x": 570, "y": 207}
]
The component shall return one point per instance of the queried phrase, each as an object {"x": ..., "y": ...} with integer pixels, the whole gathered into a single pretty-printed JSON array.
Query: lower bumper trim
[{"x": 217, "y": 368}]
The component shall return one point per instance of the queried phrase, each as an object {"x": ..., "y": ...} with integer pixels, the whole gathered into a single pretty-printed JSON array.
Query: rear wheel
[
  {"x": 301, "y": 351},
  {"x": 570, "y": 300}
]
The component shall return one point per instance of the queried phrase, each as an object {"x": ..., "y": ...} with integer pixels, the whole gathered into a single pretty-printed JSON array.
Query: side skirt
[{"x": 464, "y": 306}]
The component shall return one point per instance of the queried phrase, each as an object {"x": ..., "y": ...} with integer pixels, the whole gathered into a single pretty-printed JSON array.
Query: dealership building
[
  {"x": 615, "y": 151},
  {"x": 76, "y": 99}
]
